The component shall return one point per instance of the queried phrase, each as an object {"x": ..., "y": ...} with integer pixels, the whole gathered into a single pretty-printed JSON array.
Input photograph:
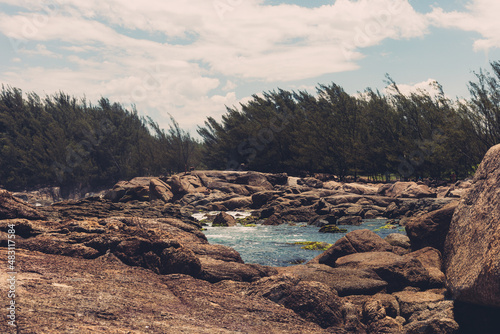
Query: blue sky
[{"x": 191, "y": 58}]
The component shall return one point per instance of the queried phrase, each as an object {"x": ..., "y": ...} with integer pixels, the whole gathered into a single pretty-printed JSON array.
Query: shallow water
[{"x": 273, "y": 245}]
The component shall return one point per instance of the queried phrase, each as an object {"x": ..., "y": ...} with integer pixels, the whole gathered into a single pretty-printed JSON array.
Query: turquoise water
[{"x": 273, "y": 245}]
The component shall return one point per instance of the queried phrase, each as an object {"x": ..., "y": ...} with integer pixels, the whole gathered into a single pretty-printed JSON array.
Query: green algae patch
[
  {"x": 313, "y": 245},
  {"x": 386, "y": 227}
]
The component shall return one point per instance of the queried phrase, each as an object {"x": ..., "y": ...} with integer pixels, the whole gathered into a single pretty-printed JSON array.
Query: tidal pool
[{"x": 273, "y": 245}]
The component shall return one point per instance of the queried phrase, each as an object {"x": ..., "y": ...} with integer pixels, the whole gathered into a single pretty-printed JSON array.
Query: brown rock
[
  {"x": 399, "y": 240},
  {"x": 352, "y": 315},
  {"x": 360, "y": 189},
  {"x": 373, "y": 310},
  {"x": 345, "y": 281},
  {"x": 350, "y": 220},
  {"x": 164, "y": 246},
  {"x": 430, "y": 230},
  {"x": 433, "y": 326},
  {"x": 262, "y": 198},
  {"x": 135, "y": 189},
  {"x": 398, "y": 271},
  {"x": 160, "y": 190},
  {"x": 357, "y": 241},
  {"x": 213, "y": 271},
  {"x": 310, "y": 182},
  {"x": 179, "y": 261},
  {"x": 53, "y": 244},
  {"x": 313, "y": 301},
  {"x": 431, "y": 259},
  {"x": 224, "y": 219},
  {"x": 273, "y": 220},
  {"x": 472, "y": 247},
  {"x": 12, "y": 207},
  {"x": 237, "y": 203},
  {"x": 389, "y": 302},
  {"x": 437, "y": 317},
  {"x": 412, "y": 301},
  {"x": 254, "y": 179},
  {"x": 372, "y": 214},
  {"x": 406, "y": 190},
  {"x": 57, "y": 294},
  {"x": 386, "y": 325}
]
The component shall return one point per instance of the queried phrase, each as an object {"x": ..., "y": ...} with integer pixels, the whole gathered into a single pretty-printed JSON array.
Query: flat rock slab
[
  {"x": 345, "y": 281},
  {"x": 59, "y": 294}
]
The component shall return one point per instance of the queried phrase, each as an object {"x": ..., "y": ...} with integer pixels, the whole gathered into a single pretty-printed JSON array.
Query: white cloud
[
  {"x": 429, "y": 86},
  {"x": 167, "y": 56},
  {"x": 481, "y": 16}
]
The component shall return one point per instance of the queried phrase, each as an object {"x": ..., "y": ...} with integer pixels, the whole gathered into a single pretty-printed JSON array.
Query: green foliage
[
  {"x": 412, "y": 136},
  {"x": 62, "y": 141}
]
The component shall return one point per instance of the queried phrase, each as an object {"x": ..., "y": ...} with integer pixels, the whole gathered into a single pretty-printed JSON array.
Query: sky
[{"x": 192, "y": 58}]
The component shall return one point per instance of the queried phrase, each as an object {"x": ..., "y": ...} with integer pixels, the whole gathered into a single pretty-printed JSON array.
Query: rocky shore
[{"x": 134, "y": 260}]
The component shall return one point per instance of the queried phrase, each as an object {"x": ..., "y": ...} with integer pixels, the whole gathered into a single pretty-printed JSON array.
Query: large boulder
[
  {"x": 358, "y": 241},
  {"x": 430, "y": 229},
  {"x": 472, "y": 246},
  {"x": 13, "y": 207}
]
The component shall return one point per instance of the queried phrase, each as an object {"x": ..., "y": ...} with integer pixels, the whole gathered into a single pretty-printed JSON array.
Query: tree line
[
  {"x": 416, "y": 135},
  {"x": 63, "y": 141}
]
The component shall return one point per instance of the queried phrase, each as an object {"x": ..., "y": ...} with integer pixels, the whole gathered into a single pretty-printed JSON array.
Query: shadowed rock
[{"x": 430, "y": 229}]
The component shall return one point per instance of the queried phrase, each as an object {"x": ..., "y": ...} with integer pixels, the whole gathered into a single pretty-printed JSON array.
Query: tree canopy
[
  {"x": 62, "y": 141},
  {"x": 421, "y": 134}
]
